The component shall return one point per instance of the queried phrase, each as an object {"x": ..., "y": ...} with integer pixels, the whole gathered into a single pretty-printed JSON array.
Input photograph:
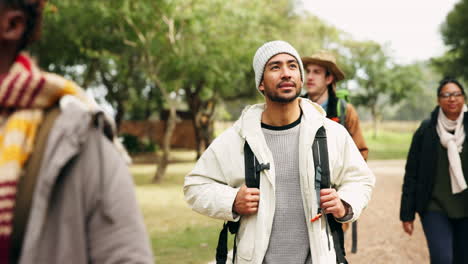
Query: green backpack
[{"x": 342, "y": 95}]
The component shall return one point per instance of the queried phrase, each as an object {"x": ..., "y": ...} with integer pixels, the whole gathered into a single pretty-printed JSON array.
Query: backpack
[
  {"x": 322, "y": 180},
  {"x": 342, "y": 95}
]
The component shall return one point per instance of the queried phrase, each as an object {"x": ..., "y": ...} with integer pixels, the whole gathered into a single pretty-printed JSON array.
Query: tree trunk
[
  {"x": 119, "y": 115},
  {"x": 166, "y": 145},
  {"x": 205, "y": 126},
  {"x": 90, "y": 74},
  {"x": 203, "y": 123},
  {"x": 202, "y": 116},
  {"x": 374, "y": 121}
]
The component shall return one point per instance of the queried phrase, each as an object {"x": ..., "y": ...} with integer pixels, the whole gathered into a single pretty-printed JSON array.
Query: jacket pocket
[{"x": 246, "y": 237}]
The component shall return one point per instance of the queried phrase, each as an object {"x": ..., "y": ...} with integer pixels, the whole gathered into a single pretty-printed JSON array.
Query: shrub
[{"x": 134, "y": 145}]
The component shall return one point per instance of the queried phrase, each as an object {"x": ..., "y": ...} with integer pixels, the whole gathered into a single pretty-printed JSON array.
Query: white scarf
[{"x": 454, "y": 145}]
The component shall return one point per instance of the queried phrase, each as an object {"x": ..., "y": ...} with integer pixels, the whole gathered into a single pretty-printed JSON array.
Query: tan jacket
[{"x": 353, "y": 126}]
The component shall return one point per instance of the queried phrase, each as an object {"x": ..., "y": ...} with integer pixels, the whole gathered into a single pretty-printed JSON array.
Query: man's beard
[{"x": 275, "y": 97}]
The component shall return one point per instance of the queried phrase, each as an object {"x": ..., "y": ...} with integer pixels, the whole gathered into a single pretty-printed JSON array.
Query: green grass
[
  {"x": 392, "y": 142},
  {"x": 388, "y": 145},
  {"x": 178, "y": 235}
]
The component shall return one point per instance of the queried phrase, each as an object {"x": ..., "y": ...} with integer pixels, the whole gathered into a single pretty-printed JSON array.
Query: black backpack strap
[
  {"x": 320, "y": 152},
  {"x": 316, "y": 151},
  {"x": 354, "y": 237},
  {"x": 336, "y": 230},
  {"x": 252, "y": 176},
  {"x": 253, "y": 168},
  {"x": 252, "y": 180},
  {"x": 221, "y": 249},
  {"x": 322, "y": 181}
]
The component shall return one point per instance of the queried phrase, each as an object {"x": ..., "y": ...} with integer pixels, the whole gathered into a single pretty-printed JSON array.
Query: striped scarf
[{"x": 25, "y": 92}]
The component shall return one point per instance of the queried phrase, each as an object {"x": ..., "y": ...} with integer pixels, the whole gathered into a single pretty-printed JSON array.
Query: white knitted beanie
[{"x": 268, "y": 50}]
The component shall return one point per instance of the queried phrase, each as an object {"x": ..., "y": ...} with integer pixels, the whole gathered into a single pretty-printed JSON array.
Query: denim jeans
[{"x": 447, "y": 238}]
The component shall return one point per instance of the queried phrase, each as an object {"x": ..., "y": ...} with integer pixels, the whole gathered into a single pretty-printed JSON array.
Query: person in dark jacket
[{"x": 436, "y": 174}]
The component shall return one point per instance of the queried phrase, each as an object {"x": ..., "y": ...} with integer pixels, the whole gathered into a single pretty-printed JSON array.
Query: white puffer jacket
[{"x": 211, "y": 187}]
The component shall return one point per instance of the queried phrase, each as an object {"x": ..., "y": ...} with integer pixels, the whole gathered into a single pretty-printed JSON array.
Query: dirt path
[{"x": 381, "y": 238}]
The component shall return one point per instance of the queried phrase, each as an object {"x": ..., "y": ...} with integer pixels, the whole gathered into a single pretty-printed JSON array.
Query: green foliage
[
  {"x": 72, "y": 34},
  {"x": 455, "y": 35},
  {"x": 87, "y": 41},
  {"x": 393, "y": 139},
  {"x": 308, "y": 34},
  {"x": 150, "y": 55},
  {"x": 135, "y": 145},
  {"x": 420, "y": 103},
  {"x": 381, "y": 82},
  {"x": 204, "y": 46}
]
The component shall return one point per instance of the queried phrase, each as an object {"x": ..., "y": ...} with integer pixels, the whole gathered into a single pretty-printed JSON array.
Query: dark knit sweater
[{"x": 443, "y": 200}]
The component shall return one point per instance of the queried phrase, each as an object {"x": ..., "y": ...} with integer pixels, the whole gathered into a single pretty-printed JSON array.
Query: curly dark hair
[
  {"x": 33, "y": 10},
  {"x": 449, "y": 79}
]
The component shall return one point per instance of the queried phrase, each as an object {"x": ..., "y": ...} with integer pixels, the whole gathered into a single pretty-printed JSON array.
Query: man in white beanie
[{"x": 279, "y": 219}]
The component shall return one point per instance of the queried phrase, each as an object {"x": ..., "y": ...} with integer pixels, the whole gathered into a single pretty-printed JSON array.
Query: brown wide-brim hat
[{"x": 327, "y": 60}]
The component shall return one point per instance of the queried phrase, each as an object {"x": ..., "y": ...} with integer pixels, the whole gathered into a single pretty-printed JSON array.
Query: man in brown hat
[{"x": 322, "y": 74}]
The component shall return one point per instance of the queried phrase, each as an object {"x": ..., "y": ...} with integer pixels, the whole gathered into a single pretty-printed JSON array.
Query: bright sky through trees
[{"x": 409, "y": 27}]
